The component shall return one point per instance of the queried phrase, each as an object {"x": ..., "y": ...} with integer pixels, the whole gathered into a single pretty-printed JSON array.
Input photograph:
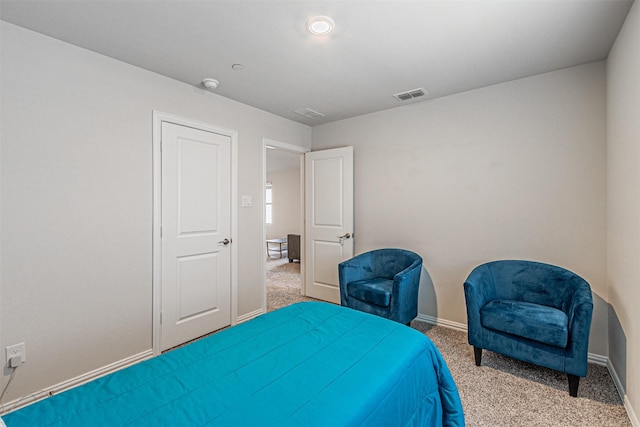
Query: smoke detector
[{"x": 210, "y": 84}]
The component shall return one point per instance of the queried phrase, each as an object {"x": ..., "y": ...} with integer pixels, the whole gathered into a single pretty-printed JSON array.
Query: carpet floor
[
  {"x": 503, "y": 391},
  {"x": 283, "y": 283}
]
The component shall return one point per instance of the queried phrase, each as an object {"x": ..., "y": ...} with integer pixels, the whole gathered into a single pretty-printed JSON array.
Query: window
[{"x": 268, "y": 204}]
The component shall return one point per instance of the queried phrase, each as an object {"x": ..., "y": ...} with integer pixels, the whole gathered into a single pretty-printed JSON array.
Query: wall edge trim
[{"x": 249, "y": 316}]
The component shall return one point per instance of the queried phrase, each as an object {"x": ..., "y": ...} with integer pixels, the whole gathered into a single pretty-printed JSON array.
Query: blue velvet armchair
[
  {"x": 383, "y": 282},
  {"x": 535, "y": 312}
]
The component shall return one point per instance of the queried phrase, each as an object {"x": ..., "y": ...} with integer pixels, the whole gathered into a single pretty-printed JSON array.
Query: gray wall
[
  {"x": 623, "y": 206},
  {"x": 76, "y": 274},
  {"x": 515, "y": 170},
  {"x": 286, "y": 203}
]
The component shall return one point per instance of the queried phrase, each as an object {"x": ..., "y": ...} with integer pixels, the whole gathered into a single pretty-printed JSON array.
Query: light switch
[{"x": 246, "y": 201}]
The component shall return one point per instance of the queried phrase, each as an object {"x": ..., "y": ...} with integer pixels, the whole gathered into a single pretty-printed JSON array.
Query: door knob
[
  {"x": 345, "y": 236},
  {"x": 225, "y": 242}
]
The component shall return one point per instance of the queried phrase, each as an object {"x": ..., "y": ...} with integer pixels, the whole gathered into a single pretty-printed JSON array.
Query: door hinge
[{"x": 161, "y": 318}]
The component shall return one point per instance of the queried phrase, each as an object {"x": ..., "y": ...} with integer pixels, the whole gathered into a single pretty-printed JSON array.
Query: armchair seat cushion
[
  {"x": 374, "y": 291},
  {"x": 533, "y": 321}
]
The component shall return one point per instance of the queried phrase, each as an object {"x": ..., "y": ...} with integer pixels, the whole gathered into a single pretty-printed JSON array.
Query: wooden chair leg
[
  {"x": 574, "y": 382},
  {"x": 477, "y": 354}
]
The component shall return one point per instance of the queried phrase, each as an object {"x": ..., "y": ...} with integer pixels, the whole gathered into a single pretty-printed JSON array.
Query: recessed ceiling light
[{"x": 320, "y": 25}]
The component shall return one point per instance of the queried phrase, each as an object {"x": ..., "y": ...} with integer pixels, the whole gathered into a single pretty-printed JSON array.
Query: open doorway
[{"x": 284, "y": 225}]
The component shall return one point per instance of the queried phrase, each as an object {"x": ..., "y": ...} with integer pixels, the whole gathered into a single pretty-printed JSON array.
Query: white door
[
  {"x": 329, "y": 219},
  {"x": 196, "y": 232}
]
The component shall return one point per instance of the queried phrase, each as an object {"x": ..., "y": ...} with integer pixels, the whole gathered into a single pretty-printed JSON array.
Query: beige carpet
[
  {"x": 283, "y": 283},
  {"x": 503, "y": 391}
]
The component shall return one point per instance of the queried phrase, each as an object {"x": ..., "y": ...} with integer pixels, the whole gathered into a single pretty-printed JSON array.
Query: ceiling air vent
[
  {"x": 309, "y": 113},
  {"x": 411, "y": 94}
]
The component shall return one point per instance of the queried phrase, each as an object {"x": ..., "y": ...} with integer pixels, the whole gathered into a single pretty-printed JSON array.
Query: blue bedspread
[{"x": 309, "y": 364}]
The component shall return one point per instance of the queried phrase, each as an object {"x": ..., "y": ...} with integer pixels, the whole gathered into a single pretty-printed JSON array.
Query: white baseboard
[
  {"x": 100, "y": 372},
  {"x": 249, "y": 316},
  {"x": 598, "y": 359},
  {"x": 77, "y": 381},
  {"x": 635, "y": 422},
  {"x": 442, "y": 322}
]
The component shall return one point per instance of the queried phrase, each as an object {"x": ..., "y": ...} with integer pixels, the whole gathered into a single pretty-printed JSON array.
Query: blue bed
[{"x": 308, "y": 364}]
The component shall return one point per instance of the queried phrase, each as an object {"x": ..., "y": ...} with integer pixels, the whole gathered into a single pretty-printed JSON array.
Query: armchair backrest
[
  {"x": 534, "y": 282},
  {"x": 388, "y": 262}
]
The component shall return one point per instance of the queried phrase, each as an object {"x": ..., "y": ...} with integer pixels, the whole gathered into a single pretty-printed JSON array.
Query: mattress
[{"x": 308, "y": 364}]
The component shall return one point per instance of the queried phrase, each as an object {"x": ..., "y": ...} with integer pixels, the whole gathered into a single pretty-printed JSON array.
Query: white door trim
[
  {"x": 266, "y": 145},
  {"x": 158, "y": 118}
]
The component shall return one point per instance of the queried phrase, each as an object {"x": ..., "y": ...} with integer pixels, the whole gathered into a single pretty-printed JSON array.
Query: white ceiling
[{"x": 378, "y": 48}]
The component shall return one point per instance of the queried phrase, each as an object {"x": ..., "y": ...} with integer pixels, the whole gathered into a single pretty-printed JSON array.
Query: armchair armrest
[
  {"x": 479, "y": 288},
  {"x": 405, "y": 291},
  {"x": 580, "y": 312},
  {"x": 409, "y": 270}
]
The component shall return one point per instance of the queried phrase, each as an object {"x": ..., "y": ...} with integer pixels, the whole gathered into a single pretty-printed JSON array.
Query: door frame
[
  {"x": 158, "y": 119},
  {"x": 268, "y": 144}
]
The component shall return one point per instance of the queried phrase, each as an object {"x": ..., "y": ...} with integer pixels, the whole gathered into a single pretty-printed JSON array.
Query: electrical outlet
[{"x": 17, "y": 353}]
